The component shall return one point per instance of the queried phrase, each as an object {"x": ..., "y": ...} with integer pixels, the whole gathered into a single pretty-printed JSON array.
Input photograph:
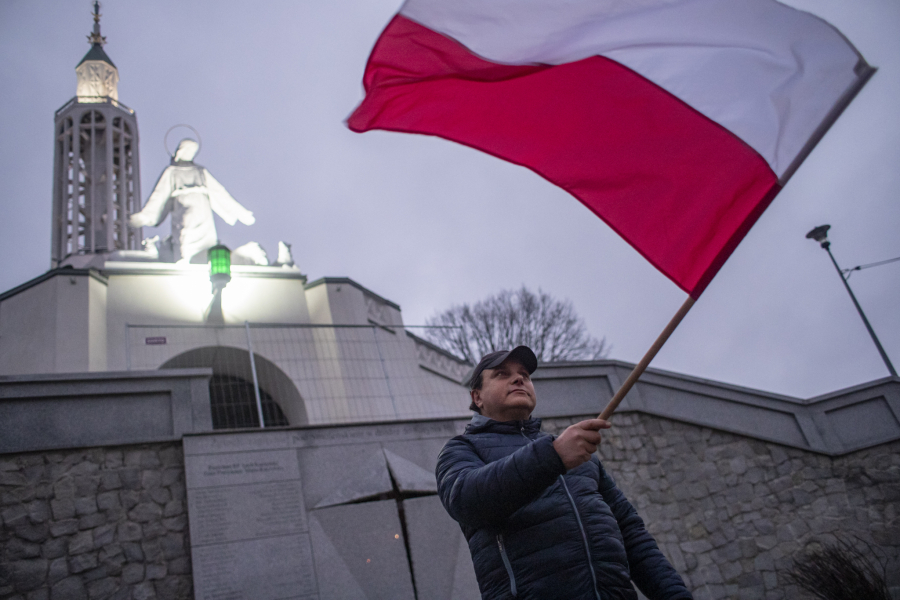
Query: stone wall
[
  {"x": 731, "y": 512},
  {"x": 95, "y": 523}
]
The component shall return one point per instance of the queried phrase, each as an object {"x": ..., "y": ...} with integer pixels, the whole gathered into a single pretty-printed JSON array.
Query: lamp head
[
  {"x": 219, "y": 258},
  {"x": 820, "y": 234}
]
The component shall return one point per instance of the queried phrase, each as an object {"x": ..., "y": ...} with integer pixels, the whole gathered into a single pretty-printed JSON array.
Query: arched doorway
[
  {"x": 231, "y": 394},
  {"x": 232, "y": 401}
]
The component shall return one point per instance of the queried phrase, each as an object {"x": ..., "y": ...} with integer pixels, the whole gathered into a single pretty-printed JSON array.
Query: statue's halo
[{"x": 166, "y": 138}]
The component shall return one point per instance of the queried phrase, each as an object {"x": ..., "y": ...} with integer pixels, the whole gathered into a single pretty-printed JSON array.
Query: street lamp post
[{"x": 820, "y": 234}]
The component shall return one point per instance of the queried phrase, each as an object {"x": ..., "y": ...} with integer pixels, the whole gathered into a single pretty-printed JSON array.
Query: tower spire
[
  {"x": 95, "y": 37},
  {"x": 96, "y": 167}
]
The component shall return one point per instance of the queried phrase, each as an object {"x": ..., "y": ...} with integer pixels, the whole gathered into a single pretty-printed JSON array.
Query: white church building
[{"x": 326, "y": 351}]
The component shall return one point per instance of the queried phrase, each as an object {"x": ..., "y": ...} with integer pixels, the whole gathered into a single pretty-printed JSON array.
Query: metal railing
[{"x": 313, "y": 374}]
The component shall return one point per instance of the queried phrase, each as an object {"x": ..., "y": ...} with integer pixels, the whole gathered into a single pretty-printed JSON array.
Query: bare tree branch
[{"x": 509, "y": 318}]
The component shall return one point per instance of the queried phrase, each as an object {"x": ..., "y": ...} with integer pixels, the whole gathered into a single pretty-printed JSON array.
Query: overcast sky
[{"x": 427, "y": 223}]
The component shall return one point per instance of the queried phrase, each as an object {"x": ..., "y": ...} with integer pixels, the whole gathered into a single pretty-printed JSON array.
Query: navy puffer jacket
[{"x": 536, "y": 531}]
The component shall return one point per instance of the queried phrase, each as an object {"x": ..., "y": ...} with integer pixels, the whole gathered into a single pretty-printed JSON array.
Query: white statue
[
  {"x": 285, "y": 259},
  {"x": 150, "y": 253},
  {"x": 250, "y": 253},
  {"x": 191, "y": 194}
]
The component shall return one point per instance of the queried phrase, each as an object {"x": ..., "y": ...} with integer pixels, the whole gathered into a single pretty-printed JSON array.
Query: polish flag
[{"x": 675, "y": 121}]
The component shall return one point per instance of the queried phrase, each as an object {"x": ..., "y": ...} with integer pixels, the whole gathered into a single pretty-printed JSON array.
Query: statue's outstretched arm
[
  {"x": 221, "y": 201},
  {"x": 157, "y": 206}
]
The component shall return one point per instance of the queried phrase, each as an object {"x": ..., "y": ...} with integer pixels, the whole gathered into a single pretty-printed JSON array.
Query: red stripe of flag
[{"x": 681, "y": 189}]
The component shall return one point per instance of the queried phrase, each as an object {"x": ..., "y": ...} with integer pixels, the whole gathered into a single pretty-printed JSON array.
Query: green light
[{"x": 219, "y": 258}]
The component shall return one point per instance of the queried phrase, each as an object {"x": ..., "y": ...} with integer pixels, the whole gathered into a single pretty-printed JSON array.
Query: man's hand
[{"x": 579, "y": 441}]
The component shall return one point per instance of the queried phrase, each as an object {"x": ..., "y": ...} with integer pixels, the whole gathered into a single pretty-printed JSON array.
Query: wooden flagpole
[{"x": 641, "y": 366}]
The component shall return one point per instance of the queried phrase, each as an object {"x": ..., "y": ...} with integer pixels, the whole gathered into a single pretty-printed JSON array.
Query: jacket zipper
[
  {"x": 503, "y": 556},
  {"x": 509, "y": 571},
  {"x": 587, "y": 548}
]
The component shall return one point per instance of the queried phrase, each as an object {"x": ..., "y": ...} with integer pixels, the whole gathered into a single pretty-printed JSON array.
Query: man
[{"x": 542, "y": 517}]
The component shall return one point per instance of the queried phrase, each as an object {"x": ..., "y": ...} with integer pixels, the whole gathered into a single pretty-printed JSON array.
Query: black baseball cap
[{"x": 494, "y": 359}]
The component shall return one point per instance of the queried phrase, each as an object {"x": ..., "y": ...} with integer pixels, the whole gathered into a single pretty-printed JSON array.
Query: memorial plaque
[
  {"x": 246, "y": 512},
  {"x": 236, "y": 468},
  {"x": 249, "y": 535},
  {"x": 270, "y": 568}
]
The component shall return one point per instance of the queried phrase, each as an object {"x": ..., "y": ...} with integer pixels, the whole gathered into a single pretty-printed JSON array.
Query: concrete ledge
[
  {"x": 42, "y": 412},
  {"x": 837, "y": 423}
]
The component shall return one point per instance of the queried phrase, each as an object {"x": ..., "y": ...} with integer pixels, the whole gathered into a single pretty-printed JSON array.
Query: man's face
[{"x": 507, "y": 393}]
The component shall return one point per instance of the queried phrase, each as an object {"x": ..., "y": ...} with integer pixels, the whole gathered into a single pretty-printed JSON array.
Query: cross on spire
[{"x": 95, "y": 37}]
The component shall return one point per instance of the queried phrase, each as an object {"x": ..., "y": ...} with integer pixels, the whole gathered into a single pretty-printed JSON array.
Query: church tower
[{"x": 96, "y": 173}]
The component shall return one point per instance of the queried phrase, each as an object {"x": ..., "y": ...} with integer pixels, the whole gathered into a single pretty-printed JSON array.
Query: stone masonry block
[
  {"x": 172, "y": 545},
  {"x": 64, "y": 527},
  {"x": 112, "y": 459},
  {"x": 33, "y": 532},
  {"x": 133, "y": 551},
  {"x": 83, "y": 562},
  {"x": 102, "y": 588},
  {"x": 730, "y": 570},
  {"x": 174, "y": 587},
  {"x": 152, "y": 550},
  {"x": 86, "y": 485},
  {"x": 180, "y": 566},
  {"x": 81, "y": 542},
  {"x": 172, "y": 475},
  {"x": 129, "y": 532},
  {"x": 14, "y": 515},
  {"x": 153, "y": 530},
  {"x": 133, "y": 573},
  {"x": 131, "y": 478},
  {"x": 763, "y": 562},
  {"x": 86, "y": 505},
  {"x": 63, "y": 508},
  {"x": 26, "y": 575},
  {"x": 110, "y": 480},
  {"x": 144, "y": 591},
  {"x": 160, "y": 495},
  {"x": 766, "y": 542},
  {"x": 64, "y": 488},
  {"x": 54, "y": 547},
  {"x": 695, "y": 547},
  {"x": 155, "y": 572},
  {"x": 108, "y": 500},
  {"x": 91, "y": 521},
  {"x": 39, "y": 594},
  {"x": 104, "y": 535},
  {"x": 171, "y": 456},
  {"x": 172, "y": 508},
  {"x": 112, "y": 557},
  {"x": 85, "y": 467},
  {"x": 176, "y": 523},
  {"x": 17, "y": 549},
  {"x": 70, "y": 588},
  {"x": 151, "y": 479},
  {"x": 38, "y": 511}
]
